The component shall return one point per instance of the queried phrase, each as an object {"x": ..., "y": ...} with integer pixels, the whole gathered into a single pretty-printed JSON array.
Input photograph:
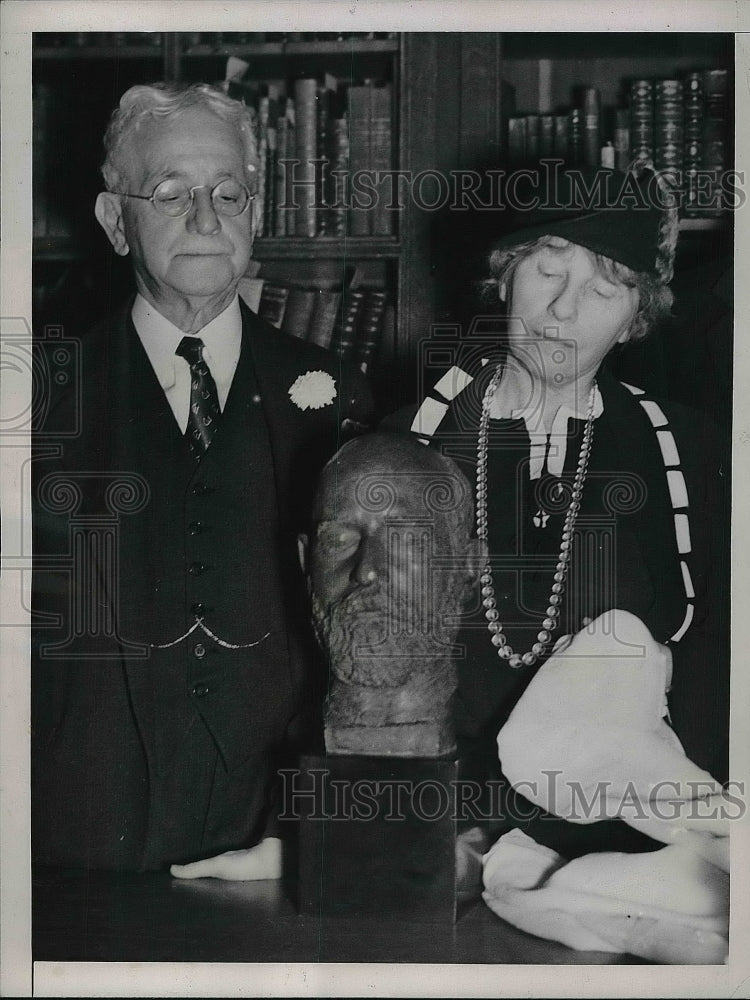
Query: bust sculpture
[{"x": 391, "y": 567}]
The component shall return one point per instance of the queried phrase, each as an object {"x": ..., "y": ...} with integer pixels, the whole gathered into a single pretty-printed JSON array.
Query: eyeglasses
[{"x": 174, "y": 198}]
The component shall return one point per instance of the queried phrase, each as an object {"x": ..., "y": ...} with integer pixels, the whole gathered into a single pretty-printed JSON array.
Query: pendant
[{"x": 540, "y": 518}]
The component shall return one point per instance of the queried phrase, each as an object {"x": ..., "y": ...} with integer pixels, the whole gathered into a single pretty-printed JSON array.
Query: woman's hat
[{"x": 627, "y": 217}]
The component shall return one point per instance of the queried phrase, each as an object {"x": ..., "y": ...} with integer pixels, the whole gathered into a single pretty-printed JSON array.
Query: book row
[
  {"x": 322, "y": 146},
  {"x": 680, "y": 124},
  {"x": 348, "y": 321}
]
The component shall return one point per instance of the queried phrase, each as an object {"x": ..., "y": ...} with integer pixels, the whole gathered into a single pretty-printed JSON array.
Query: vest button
[
  {"x": 196, "y": 568},
  {"x": 200, "y": 690},
  {"x": 196, "y": 527},
  {"x": 199, "y": 650}
]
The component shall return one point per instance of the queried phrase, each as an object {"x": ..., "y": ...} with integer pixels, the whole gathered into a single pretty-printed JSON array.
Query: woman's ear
[{"x": 108, "y": 211}]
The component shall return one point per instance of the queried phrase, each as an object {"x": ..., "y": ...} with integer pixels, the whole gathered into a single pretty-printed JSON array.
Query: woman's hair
[
  {"x": 654, "y": 296},
  {"x": 162, "y": 100}
]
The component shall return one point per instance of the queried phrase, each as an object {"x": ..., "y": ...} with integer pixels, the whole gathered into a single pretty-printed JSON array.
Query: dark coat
[
  {"x": 631, "y": 562},
  {"x": 147, "y": 750}
]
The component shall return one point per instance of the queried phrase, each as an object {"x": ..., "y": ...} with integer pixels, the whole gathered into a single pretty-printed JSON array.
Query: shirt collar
[
  {"x": 551, "y": 449},
  {"x": 222, "y": 338}
]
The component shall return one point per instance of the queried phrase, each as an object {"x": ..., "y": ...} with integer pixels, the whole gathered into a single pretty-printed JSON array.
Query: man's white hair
[{"x": 146, "y": 102}]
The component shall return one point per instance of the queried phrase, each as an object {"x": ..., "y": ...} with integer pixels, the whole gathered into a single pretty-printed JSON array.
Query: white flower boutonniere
[{"x": 313, "y": 390}]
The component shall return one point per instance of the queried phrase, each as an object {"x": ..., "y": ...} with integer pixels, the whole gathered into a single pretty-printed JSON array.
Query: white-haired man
[{"x": 167, "y": 687}]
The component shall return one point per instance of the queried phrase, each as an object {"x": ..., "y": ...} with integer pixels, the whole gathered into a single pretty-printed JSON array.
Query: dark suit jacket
[{"x": 148, "y": 747}]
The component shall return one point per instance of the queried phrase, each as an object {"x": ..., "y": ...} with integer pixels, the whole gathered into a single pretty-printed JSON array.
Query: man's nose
[
  {"x": 202, "y": 217},
  {"x": 368, "y": 566},
  {"x": 564, "y": 305}
]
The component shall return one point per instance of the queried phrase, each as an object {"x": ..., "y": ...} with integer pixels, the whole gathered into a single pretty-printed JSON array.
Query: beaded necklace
[{"x": 551, "y": 621}]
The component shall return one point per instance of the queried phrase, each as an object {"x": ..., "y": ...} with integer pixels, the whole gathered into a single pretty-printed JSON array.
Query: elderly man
[{"x": 169, "y": 659}]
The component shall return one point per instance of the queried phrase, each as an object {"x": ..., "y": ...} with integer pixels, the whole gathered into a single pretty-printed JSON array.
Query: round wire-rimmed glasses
[{"x": 174, "y": 198}]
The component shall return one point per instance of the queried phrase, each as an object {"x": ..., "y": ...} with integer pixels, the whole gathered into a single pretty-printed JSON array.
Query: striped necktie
[{"x": 204, "y": 397}]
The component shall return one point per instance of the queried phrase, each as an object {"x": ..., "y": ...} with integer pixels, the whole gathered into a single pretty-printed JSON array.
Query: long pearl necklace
[{"x": 550, "y": 623}]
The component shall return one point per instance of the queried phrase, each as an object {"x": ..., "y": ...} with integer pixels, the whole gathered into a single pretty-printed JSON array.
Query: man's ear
[
  {"x": 503, "y": 291},
  {"x": 303, "y": 547},
  {"x": 108, "y": 211}
]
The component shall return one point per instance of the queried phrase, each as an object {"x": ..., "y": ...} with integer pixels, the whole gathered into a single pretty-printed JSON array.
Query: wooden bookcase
[{"x": 452, "y": 94}]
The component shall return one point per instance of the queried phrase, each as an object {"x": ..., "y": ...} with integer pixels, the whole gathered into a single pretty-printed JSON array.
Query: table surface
[{"x": 106, "y": 916}]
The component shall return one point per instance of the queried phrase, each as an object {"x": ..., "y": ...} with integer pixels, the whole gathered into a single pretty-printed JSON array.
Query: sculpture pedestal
[{"x": 378, "y": 837}]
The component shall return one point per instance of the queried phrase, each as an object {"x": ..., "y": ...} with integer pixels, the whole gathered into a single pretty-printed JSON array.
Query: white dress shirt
[
  {"x": 222, "y": 338},
  {"x": 547, "y": 449}
]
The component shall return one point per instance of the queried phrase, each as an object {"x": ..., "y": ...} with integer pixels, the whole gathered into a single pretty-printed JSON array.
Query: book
[
  {"x": 272, "y": 305},
  {"x": 345, "y": 328},
  {"x": 323, "y": 319},
  {"x": 641, "y": 120},
  {"x": 306, "y": 150},
  {"x": 669, "y": 132},
  {"x": 370, "y": 328},
  {"x": 560, "y": 139},
  {"x": 381, "y": 159},
  {"x": 338, "y": 177},
  {"x": 362, "y": 201},
  {"x": 532, "y": 138},
  {"x": 622, "y": 139},
  {"x": 324, "y": 109},
  {"x": 516, "y": 140},
  {"x": 575, "y": 137},
  {"x": 546, "y": 136},
  {"x": 290, "y": 207},
  {"x": 716, "y": 109},
  {"x": 592, "y": 142},
  {"x": 300, "y": 303},
  {"x": 280, "y": 208}
]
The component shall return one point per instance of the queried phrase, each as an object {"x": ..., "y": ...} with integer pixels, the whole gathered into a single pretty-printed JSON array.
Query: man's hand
[{"x": 252, "y": 864}]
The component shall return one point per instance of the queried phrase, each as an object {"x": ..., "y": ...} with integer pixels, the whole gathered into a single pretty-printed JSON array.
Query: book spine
[
  {"x": 669, "y": 129},
  {"x": 345, "y": 330},
  {"x": 272, "y": 306},
  {"x": 532, "y": 138},
  {"x": 560, "y": 140},
  {"x": 694, "y": 121},
  {"x": 592, "y": 139},
  {"x": 290, "y": 211},
  {"x": 546, "y": 136},
  {"x": 282, "y": 154},
  {"x": 622, "y": 139},
  {"x": 715, "y": 133},
  {"x": 305, "y": 92},
  {"x": 299, "y": 307},
  {"x": 360, "y": 116},
  {"x": 338, "y": 177},
  {"x": 641, "y": 120},
  {"x": 323, "y": 319},
  {"x": 269, "y": 200},
  {"x": 323, "y": 140},
  {"x": 516, "y": 140},
  {"x": 370, "y": 328},
  {"x": 575, "y": 137},
  {"x": 381, "y": 159}
]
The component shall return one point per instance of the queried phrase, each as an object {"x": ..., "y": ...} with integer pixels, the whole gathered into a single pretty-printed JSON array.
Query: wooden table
[{"x": 105, "y": 916}]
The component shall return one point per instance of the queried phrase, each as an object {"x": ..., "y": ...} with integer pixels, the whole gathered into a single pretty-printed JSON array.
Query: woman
[{"x": 589, "y": 495}]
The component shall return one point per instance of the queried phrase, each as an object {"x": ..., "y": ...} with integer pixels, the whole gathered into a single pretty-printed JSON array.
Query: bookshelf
[{"x": 451, "y": 95}]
